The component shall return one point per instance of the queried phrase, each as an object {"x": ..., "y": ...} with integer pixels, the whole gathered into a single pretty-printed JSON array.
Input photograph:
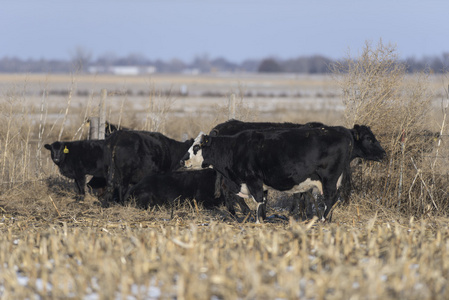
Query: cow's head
[
  {"x": 193, "y": 159},
  {"x": 59, "y": 151},
  {"x": 366, "y": 145}
]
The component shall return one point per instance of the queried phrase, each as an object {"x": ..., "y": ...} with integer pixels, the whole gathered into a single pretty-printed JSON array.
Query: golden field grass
[
  {"x": 52, "y": 247},
  {"x": 84, "y": 251}
]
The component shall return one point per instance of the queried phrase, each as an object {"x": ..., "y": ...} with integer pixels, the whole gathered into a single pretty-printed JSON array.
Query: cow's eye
[{"x": 196, "y": 148}]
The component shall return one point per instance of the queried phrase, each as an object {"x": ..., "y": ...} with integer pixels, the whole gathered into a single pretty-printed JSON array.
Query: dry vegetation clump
[
  {"x": 235, "y": 108},
  {"x": 377, "y": 92}
]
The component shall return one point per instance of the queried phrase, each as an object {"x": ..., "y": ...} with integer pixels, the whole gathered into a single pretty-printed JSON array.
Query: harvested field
[
  {"x": 54, "y": 247},
  {"x": 121, "y": 252}
]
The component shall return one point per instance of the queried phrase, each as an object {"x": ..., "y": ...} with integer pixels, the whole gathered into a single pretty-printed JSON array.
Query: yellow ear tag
[{"x": 66, "y": 150}]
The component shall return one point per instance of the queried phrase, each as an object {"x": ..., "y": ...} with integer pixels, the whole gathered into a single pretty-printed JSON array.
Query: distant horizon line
[{"x": 114, "y": 56}]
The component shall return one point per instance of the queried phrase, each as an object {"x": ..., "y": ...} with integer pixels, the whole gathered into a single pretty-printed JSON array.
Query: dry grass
[
  {"x": 118, "y": 252},
  {"x": 377, "y": 92},
  {"x": 53, "y": 247}
]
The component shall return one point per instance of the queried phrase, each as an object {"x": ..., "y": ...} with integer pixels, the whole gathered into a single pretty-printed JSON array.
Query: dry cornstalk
[{"x": 57, "y": 210}]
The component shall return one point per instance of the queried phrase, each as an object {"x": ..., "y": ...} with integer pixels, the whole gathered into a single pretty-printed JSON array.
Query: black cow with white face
[
  {"x": 131, "y": 155},
  {"x": 233, "y": 126},
  {"x": 77, "y": 159},
  {"x": 291, "y": 160},
  {"x": 366, "y": 145}
]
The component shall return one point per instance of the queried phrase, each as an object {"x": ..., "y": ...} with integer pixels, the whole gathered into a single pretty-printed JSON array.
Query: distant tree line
[{"x": 316, "y": 64}]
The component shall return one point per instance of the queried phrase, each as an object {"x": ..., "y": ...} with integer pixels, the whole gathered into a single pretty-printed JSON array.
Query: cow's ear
[
  {"x": 47, "y": 146},
  {"x": 356, "y": 132},
  {"x": 213, "y": 132}
]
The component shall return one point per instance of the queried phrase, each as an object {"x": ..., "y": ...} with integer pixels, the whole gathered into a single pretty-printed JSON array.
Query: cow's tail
[
  {"x": 218, "y": 183},
  {"x": 110, "y": 178}
]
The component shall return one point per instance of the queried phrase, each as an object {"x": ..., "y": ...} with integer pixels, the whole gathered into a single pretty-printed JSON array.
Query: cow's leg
[
  {"x": 299, "y": 201},
  {"x": 255, "y": 188},
  {"x": 265, "y": 196},
  {"x": 80, "y": 182},
  {"x": 229, "y": 203},
  {"x": 330, "y": 198},
  {"x": 123, "y": 187},
  {"x": 110, "y": 187},
  {"x": 231, "y": 200},
  {"x": 244, "y": 208},
  {"x": 222, "y": 188}
]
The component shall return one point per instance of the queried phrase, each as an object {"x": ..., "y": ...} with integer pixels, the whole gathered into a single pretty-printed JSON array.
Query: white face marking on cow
[{"x": 195, "y": 154}]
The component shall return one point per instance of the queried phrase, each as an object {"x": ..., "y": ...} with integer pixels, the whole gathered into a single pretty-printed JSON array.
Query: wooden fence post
[{"x": 93, "y": 128}]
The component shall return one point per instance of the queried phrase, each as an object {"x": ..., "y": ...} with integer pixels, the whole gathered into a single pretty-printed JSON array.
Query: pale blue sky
[{"x": 235, "y": 30}]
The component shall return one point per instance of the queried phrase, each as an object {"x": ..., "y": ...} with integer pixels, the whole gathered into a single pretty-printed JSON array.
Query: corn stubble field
[{"x": 390, "y": 242}]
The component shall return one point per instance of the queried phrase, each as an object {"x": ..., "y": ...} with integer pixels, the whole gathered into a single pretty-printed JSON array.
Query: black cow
[
  {"x": 78, "y": 159},
  {"x": 131, "y": 155},
  {"x": 291, "y": 160},
  {"x": 364, "y": 141},
  {"x": 97, "y": 185},
  {"x": 163, "y": 189},
  {"x": 233, "y": 126},
  {"x": 111, "y": 128},
  {"x": 362, "y": 135}
]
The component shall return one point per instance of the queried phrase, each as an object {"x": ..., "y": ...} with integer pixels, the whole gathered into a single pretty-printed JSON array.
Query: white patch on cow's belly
[
  {"x": 244, "y": 191},
  {"x": 304, "y": 186}
]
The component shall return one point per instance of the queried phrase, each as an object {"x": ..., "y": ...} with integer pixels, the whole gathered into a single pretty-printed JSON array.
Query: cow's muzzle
[{"x": 185, "y": 161}]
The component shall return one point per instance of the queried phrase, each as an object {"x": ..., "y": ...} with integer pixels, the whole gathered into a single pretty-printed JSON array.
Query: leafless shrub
[
  {"x": 377, "y": 92},
  {"x": 158, "y": 106},
  {"x": 235, "y": 108}
]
